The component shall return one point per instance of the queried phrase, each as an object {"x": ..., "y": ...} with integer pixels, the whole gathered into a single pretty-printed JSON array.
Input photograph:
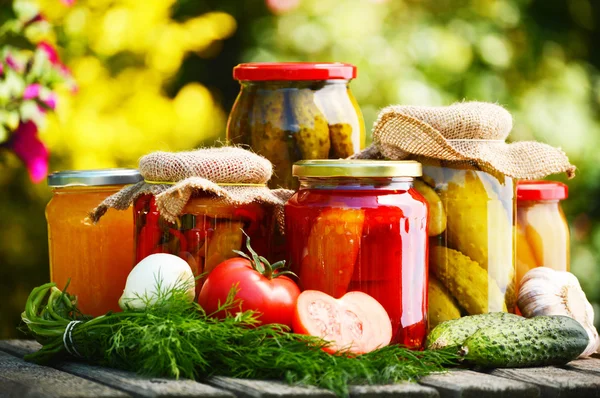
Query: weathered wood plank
[
  {"x": 591, "y": 365},
  {"x": 556, "y": 382},
  {"x": 266, "y": 388},
  {"x": 466, "y": 383},
  {"x": 22, "y": 379},
  {"x": 125, "y": 381},
  {"x": 412, "y": 390}
]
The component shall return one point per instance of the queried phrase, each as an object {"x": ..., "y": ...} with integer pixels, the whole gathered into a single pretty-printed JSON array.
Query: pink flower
[
  {"x": 28, "y": 147},
  {"x": 50, "y": 52},
  {"x": 32, "y": 91},
  {"x": 282, "y": 6},
  {"x": 13, "y": 63},
  {"x": 68, "y": 3}
]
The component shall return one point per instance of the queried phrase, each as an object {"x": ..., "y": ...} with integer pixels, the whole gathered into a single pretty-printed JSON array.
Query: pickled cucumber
[
  {"x": 478, "y": 225},
  {"x": 308, "y": 125},
  {"x": 226, "y": 238},
  {"x": 339, "y": 115},
  {"x": 452, "y": 334},
  {"x": 341, "y": 140},
  {"x": 442, "y": 307},
  {"x": 525, "y": 258},
  {"x": 538, "y": 341},
  {"x": 470, "y": 284},
  {"x": 269, "y": 138},
  {"x": 437, "y": 215}
]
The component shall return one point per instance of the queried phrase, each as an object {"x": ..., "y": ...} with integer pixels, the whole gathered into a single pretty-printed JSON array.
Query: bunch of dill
[{"x": 175, "y": 338}]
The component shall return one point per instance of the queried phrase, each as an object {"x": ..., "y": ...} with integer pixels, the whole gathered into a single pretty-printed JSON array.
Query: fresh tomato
[
  {"x": 261, "y": 287},
  {"x": 356, "y": 322}
]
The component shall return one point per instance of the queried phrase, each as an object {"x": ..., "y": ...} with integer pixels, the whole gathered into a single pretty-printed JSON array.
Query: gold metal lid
[{"x": 357, "y": 168}]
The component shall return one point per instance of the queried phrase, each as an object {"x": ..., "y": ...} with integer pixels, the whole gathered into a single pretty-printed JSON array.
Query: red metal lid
[
  {"x": 541, "y": 190},
  {"x": 294, "y": 71}
]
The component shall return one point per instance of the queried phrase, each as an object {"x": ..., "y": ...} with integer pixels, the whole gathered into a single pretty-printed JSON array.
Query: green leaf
[
  {"x": 39, "y": 66},
  {"x": 3, "y": 134},
  {"x": 12, "y": 119},
  {"x": 31, "y": 111},
  {"x": 25, "y": 10},
  {"x": 15, "y": 83}
]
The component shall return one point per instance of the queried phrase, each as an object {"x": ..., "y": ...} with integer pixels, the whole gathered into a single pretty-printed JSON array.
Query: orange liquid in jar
[{"x": 96, "y": 258}]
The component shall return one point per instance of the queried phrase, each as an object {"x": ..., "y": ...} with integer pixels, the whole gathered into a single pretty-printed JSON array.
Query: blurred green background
[{"x": 156, "y": 74}]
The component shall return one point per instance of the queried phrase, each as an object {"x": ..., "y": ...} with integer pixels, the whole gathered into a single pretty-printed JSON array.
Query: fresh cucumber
[
  {"x": 538, "y": 341},
  {"x": 451, "y": 334}
]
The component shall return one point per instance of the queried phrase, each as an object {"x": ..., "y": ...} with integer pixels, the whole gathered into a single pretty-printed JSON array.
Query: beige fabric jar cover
[
  {"x": 469, "y": 131},
  {"x": 233, "y": 175}
]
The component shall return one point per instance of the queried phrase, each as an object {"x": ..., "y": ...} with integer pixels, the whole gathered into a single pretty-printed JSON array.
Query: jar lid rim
[
  {"x": 97, "y": 177},
  {"x": 282, "y": 71},
  {"x": 357, "y": 168},
  {"x": 541, "y": 190}
]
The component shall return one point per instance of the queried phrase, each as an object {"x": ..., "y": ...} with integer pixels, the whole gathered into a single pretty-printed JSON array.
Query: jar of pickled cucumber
[
  {"x": 362, "y": 226},
  {"x": 542, "y": 230},
  {"x": 96, "y": 258},
  {"x": 293, "y": 111},
  {"x": 472, "y": 256},
  {"x": 206, "y": 233}
]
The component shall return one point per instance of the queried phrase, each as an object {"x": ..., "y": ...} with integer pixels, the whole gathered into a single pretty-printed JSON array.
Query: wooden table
[{"x": 578, "y": 379}]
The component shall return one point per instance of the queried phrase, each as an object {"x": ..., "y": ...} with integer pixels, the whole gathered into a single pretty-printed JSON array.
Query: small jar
[
  {"x": 205, "y": 234},
  {"x": 542, "y": 230},
  {"x": 361, "y": 226},
  {"x": 293, "y": 111},
  {"x": 96, "y": 258}
]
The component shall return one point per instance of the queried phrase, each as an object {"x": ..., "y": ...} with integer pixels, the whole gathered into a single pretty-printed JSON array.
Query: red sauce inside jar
[{"x": 356, "y": 235}]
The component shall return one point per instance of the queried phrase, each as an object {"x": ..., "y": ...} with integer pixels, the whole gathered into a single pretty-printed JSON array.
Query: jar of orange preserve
[
  {"x": 542, "y": 230},
  {"x": 362, "y": 226},
  {"x": 95, "y": 257}
]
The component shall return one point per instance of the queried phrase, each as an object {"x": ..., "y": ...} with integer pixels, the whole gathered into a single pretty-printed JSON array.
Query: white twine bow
[{"x": 68, "y": 339}]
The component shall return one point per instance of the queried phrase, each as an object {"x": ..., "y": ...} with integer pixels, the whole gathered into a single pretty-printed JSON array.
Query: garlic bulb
[
  {"x": 156, "y": 275},
  {"x": 545, "y": 291}
]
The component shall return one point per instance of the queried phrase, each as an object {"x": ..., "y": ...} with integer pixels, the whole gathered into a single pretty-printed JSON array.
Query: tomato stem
[{"x": 261, "y": 264}]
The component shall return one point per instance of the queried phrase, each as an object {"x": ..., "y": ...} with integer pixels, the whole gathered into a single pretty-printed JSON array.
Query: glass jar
[
  {"x": 542, "y": 230},
  {"x": 473, "y": 255},
  {"x": 95, "y": 257},
  {"x": 292, "y": 111},
  {"x": 205, "y": 234},
  {"x": 361, "y": 226}
]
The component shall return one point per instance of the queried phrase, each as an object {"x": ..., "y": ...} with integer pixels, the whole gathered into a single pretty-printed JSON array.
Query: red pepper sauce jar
[
  {"x": 205, "y": 234},
  {"x": 362, "y": 226}
]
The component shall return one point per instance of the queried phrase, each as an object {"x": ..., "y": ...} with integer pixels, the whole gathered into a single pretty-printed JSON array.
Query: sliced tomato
[
  {"x": 356, "y": 322},
  {"x": 331, "y": 251}
]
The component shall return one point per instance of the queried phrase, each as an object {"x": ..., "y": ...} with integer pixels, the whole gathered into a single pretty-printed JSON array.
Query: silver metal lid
[{"x": 94, "y": 177}]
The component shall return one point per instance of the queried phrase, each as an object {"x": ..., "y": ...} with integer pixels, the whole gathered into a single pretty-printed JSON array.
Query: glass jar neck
[
  {"x": 296, "y": 84},
  {"x": 86, "y": 189},
  {"x": 386, "y": 183}
]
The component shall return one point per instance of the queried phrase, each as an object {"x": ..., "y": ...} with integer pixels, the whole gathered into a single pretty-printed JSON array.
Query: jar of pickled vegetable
[
  {"x": 542, "y": 230},
  {"x": 292, "y": 111},
  {"x": 472, "y": 257},
  {"x": 361, "y": 226},
  {"x": 206, "y": 233},
  {"x": 95, "y": 257}
]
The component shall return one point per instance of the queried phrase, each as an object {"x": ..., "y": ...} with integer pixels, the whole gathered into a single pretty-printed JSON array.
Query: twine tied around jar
[
  {"x": 232, "y": 175},
  {"x": 473, "y": 132}
]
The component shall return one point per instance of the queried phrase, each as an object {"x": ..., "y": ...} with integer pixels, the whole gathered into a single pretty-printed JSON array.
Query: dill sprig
[{"x": 175, "y": 338}]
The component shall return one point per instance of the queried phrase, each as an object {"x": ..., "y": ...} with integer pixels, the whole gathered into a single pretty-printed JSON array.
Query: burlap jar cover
[
  {"x": 233, "y": 175},
  {"x": 474, "y": 132}
]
